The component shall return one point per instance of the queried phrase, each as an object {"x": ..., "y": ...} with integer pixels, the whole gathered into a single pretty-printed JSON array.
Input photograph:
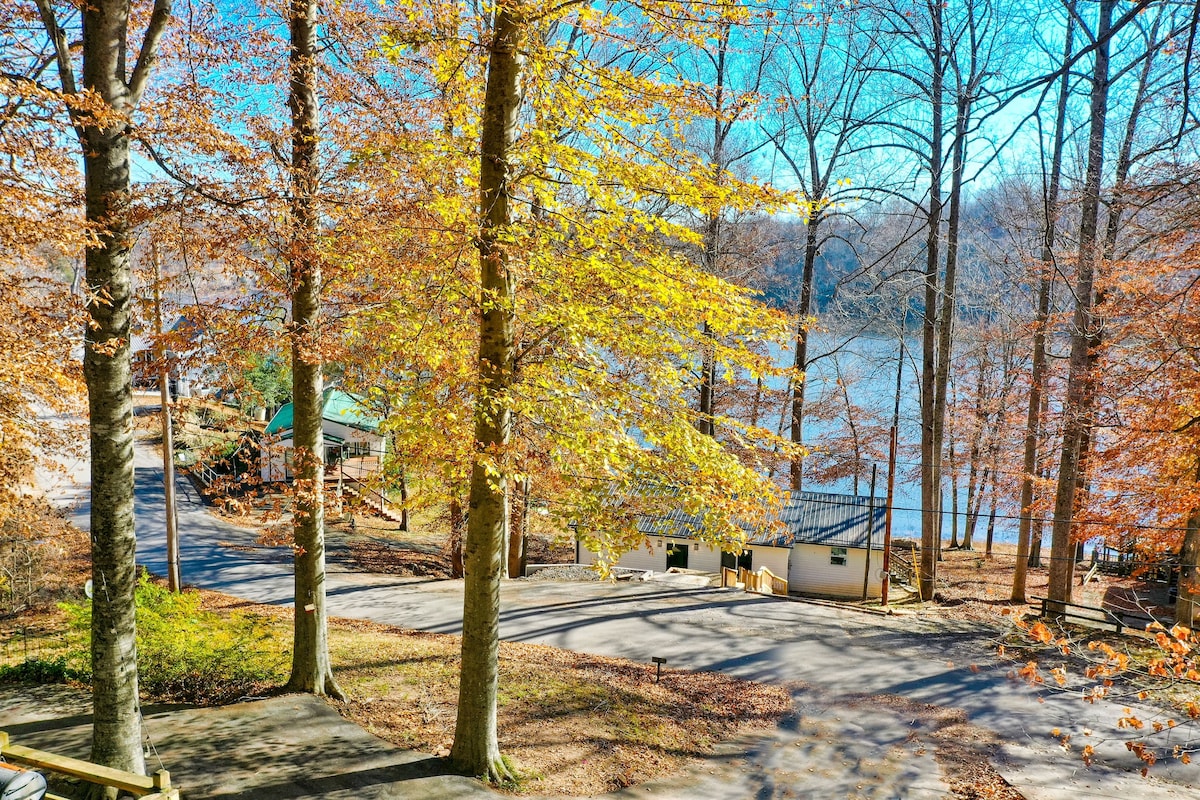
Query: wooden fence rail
[
  {"x": 1102, "y": 616},
  {"x": 764, "y": 581},
  {"x": 147, "y": 787}
]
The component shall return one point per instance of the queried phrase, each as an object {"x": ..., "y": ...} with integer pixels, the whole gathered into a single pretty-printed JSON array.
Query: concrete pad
[{"x": 283, "y": 748}]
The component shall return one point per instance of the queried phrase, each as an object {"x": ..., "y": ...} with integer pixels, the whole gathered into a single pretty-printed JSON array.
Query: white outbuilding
[{"x": 821, "y": 545}]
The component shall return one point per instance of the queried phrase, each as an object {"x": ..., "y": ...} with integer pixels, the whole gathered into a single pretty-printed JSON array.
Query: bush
[
  {"x": 187, "y": 654},
  {"x": 39, "y": 670}
]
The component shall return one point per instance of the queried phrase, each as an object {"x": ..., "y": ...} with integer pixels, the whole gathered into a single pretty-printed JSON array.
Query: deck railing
[
  {"x": 147, "y": 787},
  {"x": 763, "y": 581}
]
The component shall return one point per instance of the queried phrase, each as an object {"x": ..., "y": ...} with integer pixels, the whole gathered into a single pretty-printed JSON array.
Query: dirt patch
[
  {"x": 973, "y": 586},
  {"x": 962, "y": 749}
]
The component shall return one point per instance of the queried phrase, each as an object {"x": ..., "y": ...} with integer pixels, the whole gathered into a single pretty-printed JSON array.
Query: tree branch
[{"x": 159, "y": 18}]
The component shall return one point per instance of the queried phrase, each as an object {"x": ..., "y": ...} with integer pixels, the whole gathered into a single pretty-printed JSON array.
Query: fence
[
  {"x": 147, "y": 787},
  {"x": 1101, "y": 616},
  {"x": 23, "y": 644},
  {"x": 764, "y": 581}
]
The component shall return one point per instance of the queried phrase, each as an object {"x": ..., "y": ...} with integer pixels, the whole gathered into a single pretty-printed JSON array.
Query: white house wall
[
  {"x": 348, "y": 435},
  {"x": 812, "y": 573},
  {"x": 272, "y": 459},
  {"x": 705, "y": 559},
  {"x": 773, "y": 558}
]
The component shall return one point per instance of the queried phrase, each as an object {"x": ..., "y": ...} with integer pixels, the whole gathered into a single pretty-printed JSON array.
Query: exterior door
[{"x": 677, "y": 555}]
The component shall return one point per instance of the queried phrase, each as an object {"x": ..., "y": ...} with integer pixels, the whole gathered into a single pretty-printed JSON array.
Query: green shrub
[
  {"x": 39, "y": 670},
  {"x": 187, "y": 654}
]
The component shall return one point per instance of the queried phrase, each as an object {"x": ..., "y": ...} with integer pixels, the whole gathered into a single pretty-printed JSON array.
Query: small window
[{"x": 837, "y": 556}]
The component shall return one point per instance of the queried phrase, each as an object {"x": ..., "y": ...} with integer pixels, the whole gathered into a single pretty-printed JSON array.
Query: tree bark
[
  {"x": 311, "y": 669},
  {"x": 811, "y": 250},
  {"x": 174, "y": 580},
  {"x": 1080, "y": 380},
  {"x": 116, "y": 728},
  {"x": 1187, "y": 601},
  {"x": 456, "y": 539},
  {"x": 930, "y": 408},
  {"x": 476, "y": 748}
]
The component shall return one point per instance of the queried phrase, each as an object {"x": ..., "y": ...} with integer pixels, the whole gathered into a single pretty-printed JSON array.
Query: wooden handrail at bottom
[{"x": 149, "y": 787}]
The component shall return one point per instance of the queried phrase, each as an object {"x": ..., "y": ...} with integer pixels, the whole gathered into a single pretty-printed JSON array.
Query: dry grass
[
  {"x": 972, "y": 585},
  {"x": 573, "y": 724}
]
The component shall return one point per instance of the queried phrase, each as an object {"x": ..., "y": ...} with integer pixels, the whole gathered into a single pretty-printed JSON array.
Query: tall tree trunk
[
  {"x": 930, "y": 408},
  {"x": 1187, "y": 601},
  {"x": 974, "y": 506},
  {"x": 174, "y": 580},
  {"x": 476, "y": 749},
  {"x": 518, "y": 529},
  {"x": 800, "y": 362},
  {"x": 311, "y": 670},
  {"x": 979, "y": 418},
  {"x": 1080, "y": 381},
  {"x": 116, "y": 725},
  {"x": 456, "y": 539},
  {"x": 1026, "y": 555},
  {"x": 953, "y": 498},
  {"x": 706, "y": 421},
  {"x": 116, "y": 731}
]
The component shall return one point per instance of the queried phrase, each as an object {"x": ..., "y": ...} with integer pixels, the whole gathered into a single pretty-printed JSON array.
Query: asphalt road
[{"x": 834, "y": 658}]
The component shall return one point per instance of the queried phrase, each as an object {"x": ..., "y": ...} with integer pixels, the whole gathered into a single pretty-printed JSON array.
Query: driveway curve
[{"x": 842, "y": 743}]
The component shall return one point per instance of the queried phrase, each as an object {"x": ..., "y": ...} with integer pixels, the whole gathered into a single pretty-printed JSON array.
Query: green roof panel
[{"x": 340, "y": 407}]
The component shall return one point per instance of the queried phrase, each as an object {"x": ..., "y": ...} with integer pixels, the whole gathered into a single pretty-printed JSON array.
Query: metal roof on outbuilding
[
  {"x": 833, "y": 520},
  {"x": 820, "y": 518}
]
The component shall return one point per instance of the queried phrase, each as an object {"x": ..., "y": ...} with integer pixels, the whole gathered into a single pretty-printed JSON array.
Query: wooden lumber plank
[{"x": 74, "y": 767}]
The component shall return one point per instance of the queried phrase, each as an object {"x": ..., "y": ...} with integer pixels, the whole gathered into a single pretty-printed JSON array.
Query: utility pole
[{"x": 174, "y": 583}]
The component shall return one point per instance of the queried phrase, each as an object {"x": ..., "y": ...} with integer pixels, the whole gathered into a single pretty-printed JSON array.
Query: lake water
[{"x": 867, "y": 366}]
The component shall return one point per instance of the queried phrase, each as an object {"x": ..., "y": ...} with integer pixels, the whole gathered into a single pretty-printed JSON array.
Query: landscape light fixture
[{"x": 658, "y": 662}]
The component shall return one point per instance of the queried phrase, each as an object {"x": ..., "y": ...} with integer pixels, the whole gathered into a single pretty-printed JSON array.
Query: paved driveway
[{"x": 832, "y": 656}]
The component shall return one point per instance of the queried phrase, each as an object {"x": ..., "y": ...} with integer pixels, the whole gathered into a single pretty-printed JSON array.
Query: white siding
[
  {"x": 636, "y": 559},
  {"x": 705, "y": 559},
  {"x": 773, "y": 558},
  {"x": 273, "y": 455},
  {"x": 812, "y": 573},
  {"x": 272, "y": 458},
  {"x": 348, "y": 434}
]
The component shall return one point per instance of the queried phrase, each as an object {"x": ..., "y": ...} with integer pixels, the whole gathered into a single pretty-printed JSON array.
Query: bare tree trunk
[
  {"x": 930, "y": 408},
  {"x": 1080, "y": 380},
  {"x": 311, "y": 670},
  {"x": 403, "y": 501},
  {"x": 116, "y": 729},
  {"x": 953, "y": 499},
  {"x": 456, "y": 539},
  {"x": 712, "y": 239},
  {"x": 116, "y": 723},
  {"x": 518, "y": 529},
  {"x": 974, "y": 507},
  {"x": 1187, "y": 601},
  {"x": 975, "y": 484},
  {"x": 168, "y": 438},
  {"x": 803, "y": 311},
  {"x": 476, "y": 749}
]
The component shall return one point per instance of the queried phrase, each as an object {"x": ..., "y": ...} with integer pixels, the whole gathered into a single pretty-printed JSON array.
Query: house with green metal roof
[{"x": 349, "y": 429}]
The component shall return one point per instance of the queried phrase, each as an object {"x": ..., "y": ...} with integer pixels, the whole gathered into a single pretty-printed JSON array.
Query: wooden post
[
  {"x": 891, "y": 481},
  {"x": 870, "y": 533},
  {"x": 174, "y": 582}
]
